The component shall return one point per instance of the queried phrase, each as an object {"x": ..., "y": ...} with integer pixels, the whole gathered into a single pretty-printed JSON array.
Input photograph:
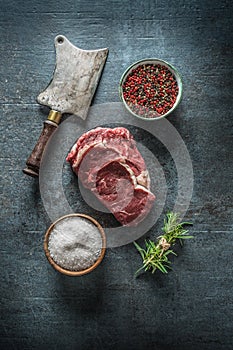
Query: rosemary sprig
[{"x": 155, "y": 255}]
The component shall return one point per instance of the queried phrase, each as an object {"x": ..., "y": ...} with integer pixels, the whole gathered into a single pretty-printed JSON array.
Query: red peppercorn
[{"x": 150, "y": 90}]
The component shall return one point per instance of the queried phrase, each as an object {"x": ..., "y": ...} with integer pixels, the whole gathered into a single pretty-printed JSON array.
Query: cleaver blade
[{"x": 75, "y": 79}]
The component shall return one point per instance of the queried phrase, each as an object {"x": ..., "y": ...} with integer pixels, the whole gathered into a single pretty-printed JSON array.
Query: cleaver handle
[{"x": 33, "y": 161}]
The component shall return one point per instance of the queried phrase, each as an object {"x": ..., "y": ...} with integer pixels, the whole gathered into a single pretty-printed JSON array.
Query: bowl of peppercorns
[{"x": 150, "y": 89}]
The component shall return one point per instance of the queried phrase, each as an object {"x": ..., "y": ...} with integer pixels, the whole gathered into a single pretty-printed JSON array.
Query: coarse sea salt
[{"x": 75, "y": 243}]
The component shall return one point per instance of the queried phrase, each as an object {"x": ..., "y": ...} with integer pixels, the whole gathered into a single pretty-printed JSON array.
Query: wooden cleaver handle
[{"x": 33, "y": 161}]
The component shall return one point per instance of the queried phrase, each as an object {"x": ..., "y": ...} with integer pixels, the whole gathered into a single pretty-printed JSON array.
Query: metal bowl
[
  {"x": 72, "y": 272},
  {"x": 154, "y": 61}
]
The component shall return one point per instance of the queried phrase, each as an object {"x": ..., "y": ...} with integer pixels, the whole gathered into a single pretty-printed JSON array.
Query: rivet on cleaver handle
[{"x": 75, "y": 79}]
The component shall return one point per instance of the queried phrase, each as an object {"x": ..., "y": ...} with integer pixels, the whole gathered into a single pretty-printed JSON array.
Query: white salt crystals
[{"x": 75, "y": 243}]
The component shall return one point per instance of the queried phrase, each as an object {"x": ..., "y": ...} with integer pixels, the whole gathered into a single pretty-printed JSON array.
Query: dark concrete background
[{"x": 191, "y": 307}]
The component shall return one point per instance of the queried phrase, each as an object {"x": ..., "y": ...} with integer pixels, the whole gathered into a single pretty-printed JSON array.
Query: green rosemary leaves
[{"x": 155, "y": 255}]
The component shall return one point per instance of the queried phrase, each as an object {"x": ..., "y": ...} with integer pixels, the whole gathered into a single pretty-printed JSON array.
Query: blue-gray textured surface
[{"x": 191, "y": 307}]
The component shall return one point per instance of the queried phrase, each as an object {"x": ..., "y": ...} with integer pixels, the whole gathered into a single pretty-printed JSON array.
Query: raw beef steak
[{"x": 109, "y": 164}]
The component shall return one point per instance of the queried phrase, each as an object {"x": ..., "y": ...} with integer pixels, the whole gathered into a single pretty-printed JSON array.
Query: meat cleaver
[{"x": 71, "y": 90}]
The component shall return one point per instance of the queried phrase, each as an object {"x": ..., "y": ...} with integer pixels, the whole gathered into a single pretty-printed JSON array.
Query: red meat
[{"x": 109, "y": 164}]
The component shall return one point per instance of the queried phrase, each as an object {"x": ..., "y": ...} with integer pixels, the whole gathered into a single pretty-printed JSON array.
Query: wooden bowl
[{"x": 71, "y": 272}]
